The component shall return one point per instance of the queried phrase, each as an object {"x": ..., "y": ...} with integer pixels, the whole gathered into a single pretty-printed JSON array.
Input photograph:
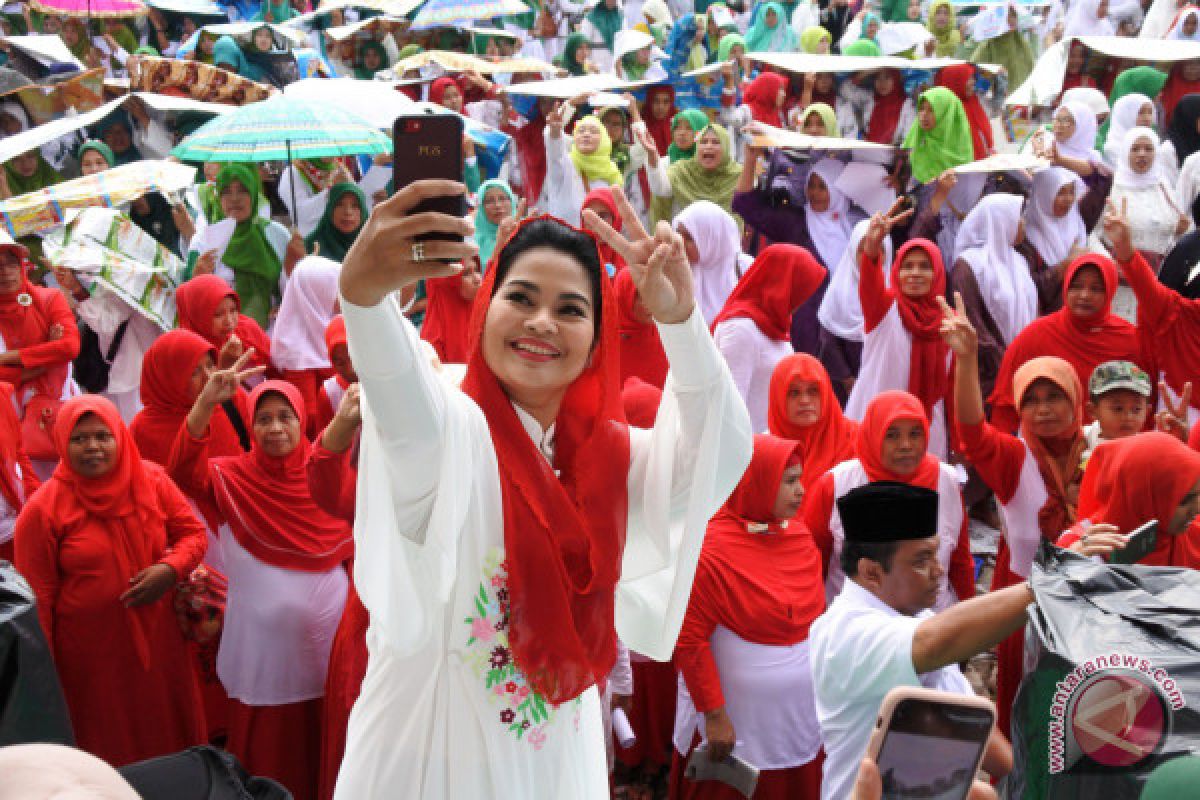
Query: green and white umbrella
[
  {"x": 462, "y": 13},
  {"x": 282, "y": 128}
]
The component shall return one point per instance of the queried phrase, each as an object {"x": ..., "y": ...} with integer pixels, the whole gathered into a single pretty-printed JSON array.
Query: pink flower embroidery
[
  {"x": 523, "y": 692},
  {"x": 537, "y": 737},
  {"x": 510, "y": 686},
  {"x": 498, "y": 580},
  {"x": 481, "y": 629}
]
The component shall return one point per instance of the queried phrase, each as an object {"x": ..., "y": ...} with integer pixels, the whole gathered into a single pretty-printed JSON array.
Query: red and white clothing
[
  {"x": 743, "y": 646},
  {"x": 822, "y": 517},
  {"x": 298, "y": 351},
  {"x": 753, "y": 329},
  {"x": 902, "y": 346},
  {"x": 17, "y": 479}
]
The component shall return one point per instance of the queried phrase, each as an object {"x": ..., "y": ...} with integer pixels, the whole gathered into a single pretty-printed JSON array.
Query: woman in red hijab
[
  {"x": 960, "y": 79},
  {"x": 209, "y": 306},
  {"x": 285, "y": 562},
  {"x": 603, "y": 204},
  {"x": 753, "y": 330},
  {"x": 657, "y": 112},
  {"x": 743, "y": 649},
  {"x": 1128, "y": 482},
  {"x": 103, "y": 544},
  {"x": 174, "y": 370},
  {"x": 17, "y": 478},
  {"x": 889, "y": 100},
  {"x": 1182, "y": 80},
  {"x": 335, "y": 386},
  {"x": 38, "y": 336},
  {"x": 1084, "y": 332},
  {"x": 892, "y": 445},
  {"x": 531, "y": 151},
  {"x": 902, "y": 348},
  {"x": 802, "y": 407},
  {"x": 448, "y": 313},
  {"x": 765, "y": 98},
  {"x": 1035, "y": 477},
  {"x": 642, "y": 353}
]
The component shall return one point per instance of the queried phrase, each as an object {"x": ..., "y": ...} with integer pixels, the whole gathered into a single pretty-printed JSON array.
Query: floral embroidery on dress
[{"x": 524, "y": 712}]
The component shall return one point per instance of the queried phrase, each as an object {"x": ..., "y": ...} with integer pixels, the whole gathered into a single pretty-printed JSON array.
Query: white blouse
[
  {"x": 444, "y": 712},
  {"x": 751, "y": 356}
]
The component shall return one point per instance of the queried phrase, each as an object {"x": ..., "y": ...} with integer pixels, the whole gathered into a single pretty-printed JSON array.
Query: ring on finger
[{"x": 418, "y": 251}]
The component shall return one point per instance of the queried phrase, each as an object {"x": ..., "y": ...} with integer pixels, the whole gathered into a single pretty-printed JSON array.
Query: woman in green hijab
[
  {"x": 494, "y": 202},
  {"x": 1010, "y": 49},
  {"x": 819, "y": 119},
  {"x": 372, "y": 57},
  {"x": 815, "y": 40},
  {"x": 942, "y": 22},
  {"x": 276, "y": 12},
  {"x": 863, "y": 48},
  {"x": 244, "y": 248},
  {"x": 27, "y": 173},
  {"x": 685, "y": 127},
  {"x": 345, "y": 214},
  {"x": 711, "y": 174},
  {"x": 941, "y": 136},
  {"x": 771, "y": 31},
  {"x": 95, "y": 157},
  {"x": 575, "y": 54},
  {"x": 605, "y": 17}
]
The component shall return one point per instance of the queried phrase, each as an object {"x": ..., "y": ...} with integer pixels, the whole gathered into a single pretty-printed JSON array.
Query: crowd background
[{"x": 913, "y": 279}]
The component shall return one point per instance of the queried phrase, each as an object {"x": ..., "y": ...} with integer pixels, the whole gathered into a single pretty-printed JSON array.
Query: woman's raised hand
[
  {"x": 1116, "y": 230},
  {"x": 387, "y": 256},
  {"x": 957, "y": 331},
  {"x": 881, "y": 225},
  {"x": 658, "y": 264},
  {"x": 1173, "y": 419},
  {"x": 223, "y": 384}
]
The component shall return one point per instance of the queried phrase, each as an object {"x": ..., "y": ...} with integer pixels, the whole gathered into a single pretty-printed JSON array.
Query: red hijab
[
  {"x": 25, "y": 321},
  {"x": 959, "y": 78},
  {"x": 762, "y": 97},
  {"x": 15, "y": 490},
  {"x": 928, "y": 377},
  {"x": 660, "y": 129},
  {"x": 779, "y": 281},
  {"x": 1175, "y": 89},
  {"x": 447, "y": 319},
  {"x": 604, "y": 196},
  {"x": 267, "y": 503},
  {"x": 887, "y": 408},
  {"x": 744, "y": 535},
  {"x": 642, "y": 354},
  {"x": 531, "y": 150},
  {"x": 641, "y": 401},
  {"x": 167, "y": 367},
  {"x": 885, "y": 115},
  {"x": 197, "y": 301},
  {"x": 563, "y": 534},
  {"x": 1131, "y": 481},
  {"x": 1059, "y": 460},
  {"x": 437, "y": 89},
  {"x": 828, "y": 441},
  {"x": 335, "y": 335},
  {"x": 1084, "y": 342},
  {"x": 124, "y": 501}
]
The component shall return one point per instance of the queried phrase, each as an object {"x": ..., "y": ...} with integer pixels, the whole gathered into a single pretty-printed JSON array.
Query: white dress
[
  {"x": 444, "y": 713},
  {"x": 751, "y": 356},
  {"x": 104, "y": 313}
]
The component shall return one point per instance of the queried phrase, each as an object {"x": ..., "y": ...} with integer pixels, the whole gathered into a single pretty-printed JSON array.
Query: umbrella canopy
[
  {"x": 90, "y": 8},
  {"x": 282, "y": 128},
  {"x": 460, "y": 13}
]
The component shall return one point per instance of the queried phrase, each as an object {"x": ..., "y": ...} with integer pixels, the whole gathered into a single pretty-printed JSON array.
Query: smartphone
[
  {"x": 427, "y": 147},
  {"x": 929, "y": 743},
  {"x": 1138, "y": 544}
]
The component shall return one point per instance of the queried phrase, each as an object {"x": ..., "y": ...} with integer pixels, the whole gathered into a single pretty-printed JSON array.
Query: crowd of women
[{"x": 1022, "y": 342}]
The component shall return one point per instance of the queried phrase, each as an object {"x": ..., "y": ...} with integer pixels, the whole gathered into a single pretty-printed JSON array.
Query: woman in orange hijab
[
  {"x": 103, "y": 544},
  {"x": 803, "y": 408}
]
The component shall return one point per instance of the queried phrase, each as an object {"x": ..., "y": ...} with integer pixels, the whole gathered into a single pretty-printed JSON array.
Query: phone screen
[{"x": 931, "y": 750}]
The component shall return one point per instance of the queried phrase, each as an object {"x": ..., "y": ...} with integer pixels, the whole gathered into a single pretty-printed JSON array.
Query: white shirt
[
  {"x": 861, "y": 650},
  {"x": 751, "y": 356},
  {"x": 434, "y": 721}
]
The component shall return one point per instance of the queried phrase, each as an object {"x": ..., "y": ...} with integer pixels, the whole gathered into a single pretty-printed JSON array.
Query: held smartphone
[
  {"x": 429, "y": 146},
  {"x": 1138, "y": 544},
  {"x": 929, "y": 743}
]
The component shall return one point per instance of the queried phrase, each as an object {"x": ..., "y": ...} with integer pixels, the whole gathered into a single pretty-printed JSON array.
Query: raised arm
[{"x": 875, "y": 295}]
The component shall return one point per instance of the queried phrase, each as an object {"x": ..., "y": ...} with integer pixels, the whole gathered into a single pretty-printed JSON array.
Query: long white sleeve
[
  {"x": 660, "y": 182},
  {"x": 680, "y": 474}
]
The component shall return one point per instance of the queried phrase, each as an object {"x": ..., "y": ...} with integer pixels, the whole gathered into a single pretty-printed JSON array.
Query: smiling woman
[{"x": 509, "y": 538}]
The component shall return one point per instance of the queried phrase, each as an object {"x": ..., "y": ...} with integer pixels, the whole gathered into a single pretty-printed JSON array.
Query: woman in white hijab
[
  {"x": 298, "y": 347},
  {"x": 829, "y": 221},
  {"x": 1054, "y": 230},
  {"x": 1089, "y": 18},
  {"x": 841, "y": 314},
  {"x": 1073, "y": 139},
  {"x": 714, "y": 250},
  {"x": 997, "y": 289},
  {"x": 1129, "y": 112}
]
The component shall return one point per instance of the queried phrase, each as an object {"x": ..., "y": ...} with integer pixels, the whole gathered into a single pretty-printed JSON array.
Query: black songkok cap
[{"x": 885, "y": 511}]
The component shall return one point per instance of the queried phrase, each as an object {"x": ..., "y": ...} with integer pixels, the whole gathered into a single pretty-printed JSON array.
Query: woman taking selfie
[{"x": 497, "y": 563}]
